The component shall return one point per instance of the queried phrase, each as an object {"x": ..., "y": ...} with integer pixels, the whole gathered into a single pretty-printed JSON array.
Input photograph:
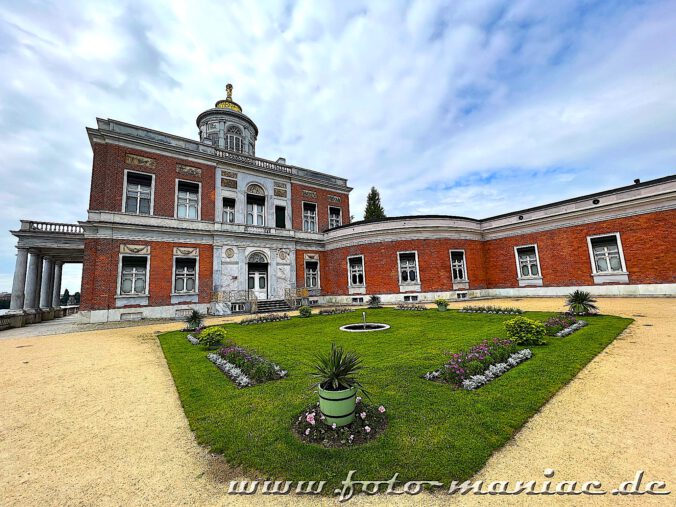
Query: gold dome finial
[{"x": 228, "y": 103}]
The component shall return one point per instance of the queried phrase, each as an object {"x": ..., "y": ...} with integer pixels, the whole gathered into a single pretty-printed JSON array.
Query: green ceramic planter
[
  {"x": 442, "y": 308},
  {"x": 338, "y": 407}
]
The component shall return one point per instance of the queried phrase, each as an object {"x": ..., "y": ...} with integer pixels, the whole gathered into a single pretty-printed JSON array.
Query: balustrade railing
[
  {"x": 232, "y": 296},
  {"x": 31, "y": 225},
  {"x": 254, "y": 162}
]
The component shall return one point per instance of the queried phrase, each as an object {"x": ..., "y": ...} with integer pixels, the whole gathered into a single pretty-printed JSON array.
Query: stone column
[
  {"x": 31, "y": 301},
  {"x": 46, "y": 288},
  {"x": 38, "y": 285},
  {"x": 19, "y": 283},
  {"x": 56, "y": 291}
]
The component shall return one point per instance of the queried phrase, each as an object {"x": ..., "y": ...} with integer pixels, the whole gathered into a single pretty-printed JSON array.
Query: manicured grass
[{"x": 434, "y": 433}]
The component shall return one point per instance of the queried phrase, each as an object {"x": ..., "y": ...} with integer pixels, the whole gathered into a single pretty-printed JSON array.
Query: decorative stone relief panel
[
  {"x": 255, "y": 189},
  {"x": 140, "y": 161},
  {"x": 228, "y": 183},
  {"x": 283, "y": 255},
  {"x": 310, "y": 193},
  {"x": 188, "y": 170},
  {"x": 186, "y": 252},
  {"x": 311, "y": 257},
  {"x": 229, "y": 253},
  {"x": 280, "y": 192},
  {"x": 135, "y": 249},
  {"x": 334, "y": 198}
]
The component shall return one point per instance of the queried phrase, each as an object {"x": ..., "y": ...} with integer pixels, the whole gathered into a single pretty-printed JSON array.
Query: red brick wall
[
  {"x": 381, "y": 265},
  {"x": 108, "y": 180},
  {"x": 322, "y": 202},
  {"x": 647, "y": 240},
  {"x": 100, "y": 272}
]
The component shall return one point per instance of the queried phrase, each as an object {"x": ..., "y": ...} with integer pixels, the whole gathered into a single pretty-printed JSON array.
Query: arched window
[{"x": 233, "y": 139}]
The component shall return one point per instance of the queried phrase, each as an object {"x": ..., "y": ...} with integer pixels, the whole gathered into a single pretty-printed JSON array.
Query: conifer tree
[{"x": 374, "y": 210}]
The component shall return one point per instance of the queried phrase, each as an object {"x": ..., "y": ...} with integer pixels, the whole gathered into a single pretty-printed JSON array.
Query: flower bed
[
  {"x": 571, "y": 329},
  {"x": 245, "y": 368},
  {"x": 261, "y": 319},
  {"x": 193, "y": 340},
  {"x": 412, "y": 307},
  {"x": 474, "y": 361},
  {"x": 334, "y": 311},
  {"x": 495, "y": 370},
  {"x": 368, "y": 423},
  {"x": 491, "y": 309},
  {"x": 558, "y": 323}
]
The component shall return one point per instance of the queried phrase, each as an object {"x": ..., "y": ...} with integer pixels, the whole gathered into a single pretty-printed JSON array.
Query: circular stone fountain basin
[{"x": 364, "y": 327}]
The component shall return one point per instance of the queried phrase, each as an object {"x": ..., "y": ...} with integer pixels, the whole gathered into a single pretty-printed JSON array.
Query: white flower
[
  {"x": 367, "y": 429},
  {"x": 333, "y": 426}
]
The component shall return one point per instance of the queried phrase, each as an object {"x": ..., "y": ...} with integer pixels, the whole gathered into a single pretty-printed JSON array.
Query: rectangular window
[
  {"x": 357, "y": 300},
  {"x": 185, "y": 276},
  {"x": 607, "y": 255},
  {"x": 335, "y": 218},
  {"x": 311, "y": 274},
  {"x": 138, "y": 193},
  {"x": 408, "y": 270},
  {"x": 356, "y": 268},
  {"x": 228, "y": 211},
  {"x": 134, "y": 275},
  {"x": 458, "y": 266},
  {"x": 527, "y": 259},
  {"x": 187, "y": 200},
  {"x": 280, "y": 217},
  {"x": 255, "y": 210},
  {"x": 410, "y": 299},
  {"x": 309, "y": 217}
]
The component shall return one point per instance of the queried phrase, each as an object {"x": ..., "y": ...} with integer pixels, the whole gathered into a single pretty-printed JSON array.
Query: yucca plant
[
  {"x": 581, "y": 303},
  {"x": 337, "y": 370},
  {"x": 194, "y": 320},
  {"x": 374, "y": 302}
]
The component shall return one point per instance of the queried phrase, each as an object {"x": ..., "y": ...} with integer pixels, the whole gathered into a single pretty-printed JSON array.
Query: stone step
[{"x": 273, "y": 306}]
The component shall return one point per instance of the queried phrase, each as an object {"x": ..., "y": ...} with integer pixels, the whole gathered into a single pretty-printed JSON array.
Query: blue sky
[{"x": 465, "y": 108}]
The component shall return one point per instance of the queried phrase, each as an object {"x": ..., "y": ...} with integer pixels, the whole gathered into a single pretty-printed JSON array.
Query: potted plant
[
  {"x": 581, "y": 303},
  {"x": 194, "y": 320},
  {"x": 442, "y": 304},
  {"x": 335, "y": 378}
]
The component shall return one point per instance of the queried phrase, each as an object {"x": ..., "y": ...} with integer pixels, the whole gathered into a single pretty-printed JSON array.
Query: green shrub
[
  {"x": 211, "y": 336},
  {"x": 525, "y": 331},
  {"x": 441, "y": 302},
  {"x": 305, "y": 311}
]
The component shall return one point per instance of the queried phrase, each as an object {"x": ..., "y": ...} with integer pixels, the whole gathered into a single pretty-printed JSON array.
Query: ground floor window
[
  {"x": 133, "y": 276},
  {"x": 311, "y": 274},
  {"x": 356, "y": 271},
  {"x": 185, "y": 276},
  {"x": 607, "y": 255},
  {"x": 408, "y": 269},
  {"x": 527, "y": 261}
]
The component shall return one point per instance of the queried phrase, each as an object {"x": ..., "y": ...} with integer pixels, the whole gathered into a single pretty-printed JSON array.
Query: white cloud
[{"x": 471, "y": 108}]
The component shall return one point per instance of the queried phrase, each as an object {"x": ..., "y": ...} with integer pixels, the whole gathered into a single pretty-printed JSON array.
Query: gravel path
[{"x": 93, "y": 418}]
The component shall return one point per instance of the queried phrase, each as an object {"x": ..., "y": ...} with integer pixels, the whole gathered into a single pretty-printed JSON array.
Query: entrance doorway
[{"x": 257, "y": 271}]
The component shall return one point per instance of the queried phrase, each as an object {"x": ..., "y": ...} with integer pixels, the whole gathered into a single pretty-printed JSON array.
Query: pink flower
[
  {"x": 381, "y": 409},
  {"x": 363, "y": 415},
  {"x": 307, "y": 431},
  {"x": 311, "y": 418},
  {"x": 333, "y": 426},
  {"x": 367, "y": 429},
  {"x": 358, "y": 399}
]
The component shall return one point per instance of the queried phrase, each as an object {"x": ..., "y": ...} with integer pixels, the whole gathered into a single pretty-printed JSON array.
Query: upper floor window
[
  {"x": 185, "y": 276},
  {"x": 187, "y": 200},
  {"x": 309, "y": 217},
  {"x": 138, "y": 193},
  {"x": 311, "y": 274},
  {"x": 607, "y": 254},
  {"x": 228, "y": 211},
  {"x": 356, "y": 271},
  {"x": 133, "y": 275},
  {"x": 458, "y": 266},
  {"x": 527, "y": 260},
  {"x": 408, "y": 269},
  {"x": 280, "y": 217},
  {"x": 233, "y": 139},
  {"x": 335, "y": 218}
]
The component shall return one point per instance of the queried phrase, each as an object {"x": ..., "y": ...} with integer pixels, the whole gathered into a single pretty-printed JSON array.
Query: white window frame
[
  {"x": 416, "y": 282},
  {"x": 464, "y": 265},
  {"x": 349, "y": 274},
  {"x": 234, "y": 210},
  {"x": 316, "y": 222},
  {"x": 519, "y": 276},
  {"x": 173, "y": 276},
  {"x": 152, "y": 192},
  {"x": 340, "y": 216},
  {"x": 119, "y": 277},
  {"x": 619, "y": 248},
  {"x": 199, "y": 199},
  {"x": 255, "y": 213},
  {"x": 319, "y": 282}
]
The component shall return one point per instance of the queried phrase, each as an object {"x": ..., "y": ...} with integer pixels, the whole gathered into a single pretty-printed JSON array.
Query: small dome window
[{"x": 233, "y": 139}]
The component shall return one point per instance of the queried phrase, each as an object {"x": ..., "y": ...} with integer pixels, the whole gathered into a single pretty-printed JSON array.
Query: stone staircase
[{"x": 273, "y": 306}]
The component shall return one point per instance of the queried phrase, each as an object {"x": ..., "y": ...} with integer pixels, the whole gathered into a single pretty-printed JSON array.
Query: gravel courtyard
[{"x": 93, "y": 418}]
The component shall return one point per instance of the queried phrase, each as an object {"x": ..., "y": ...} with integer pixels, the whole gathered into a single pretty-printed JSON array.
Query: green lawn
[{"x": 434, "y": 433}]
